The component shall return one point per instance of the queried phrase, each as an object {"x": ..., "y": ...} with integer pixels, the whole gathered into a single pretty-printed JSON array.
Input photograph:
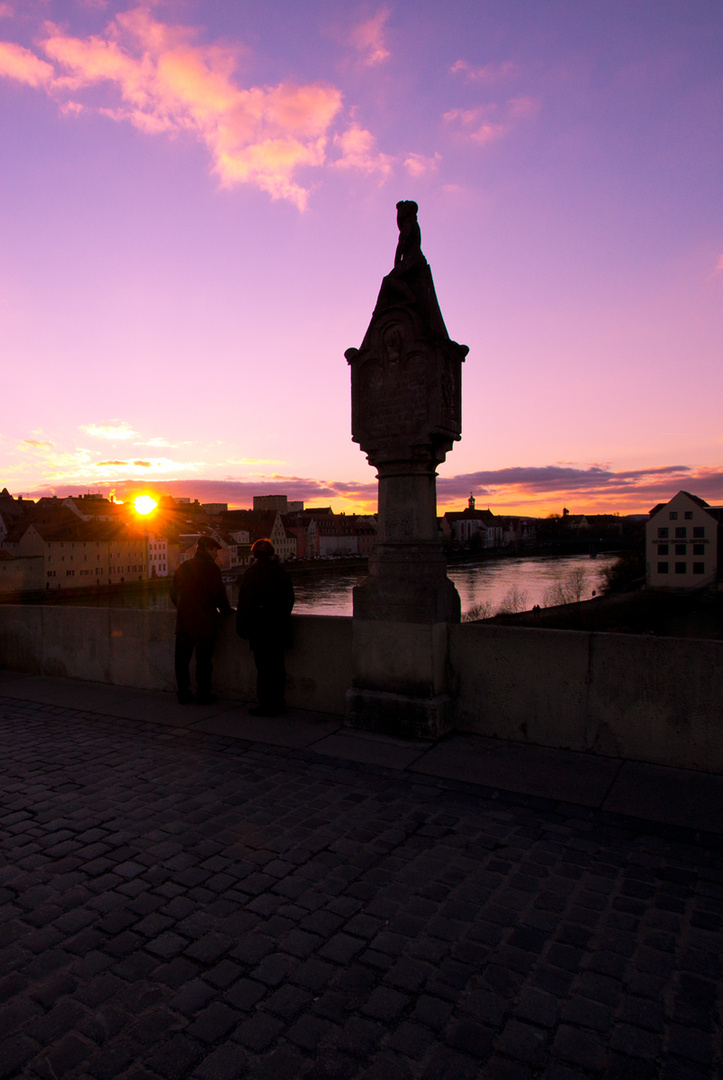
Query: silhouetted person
[
  {"x": 263, "y": 615},
  {"x": 200, "y": 597}
]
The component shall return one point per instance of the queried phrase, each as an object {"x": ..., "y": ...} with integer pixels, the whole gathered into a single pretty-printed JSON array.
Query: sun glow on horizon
[{"x": 144, "y": 504}]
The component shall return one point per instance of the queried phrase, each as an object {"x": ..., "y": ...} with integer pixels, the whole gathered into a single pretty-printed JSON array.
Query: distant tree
[
  {"x": 627, "y": 573},
  {"x": 483, "y": 610},
  {"x": 515, "y": 600},
  {"x": 567, "y": 590}
]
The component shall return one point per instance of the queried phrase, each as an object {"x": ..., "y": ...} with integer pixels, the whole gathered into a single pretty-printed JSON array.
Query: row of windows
[
  {"x": 687, "y": 514},
  {"x": 62, "y": 543},
  {"x": 681, "y": 549},
  {"x": 71, "y": 558},
  {"x": 681, "y": 532},
  {"x": 681, "y": 567}
]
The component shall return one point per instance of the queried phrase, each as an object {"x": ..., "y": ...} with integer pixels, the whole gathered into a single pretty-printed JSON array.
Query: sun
[{"x": 144, "y": 504}]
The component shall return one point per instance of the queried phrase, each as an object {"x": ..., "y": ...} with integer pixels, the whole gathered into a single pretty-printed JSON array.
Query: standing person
[
  {"x": 263, "y": 614},
  {"x": 200, "y": 597}
]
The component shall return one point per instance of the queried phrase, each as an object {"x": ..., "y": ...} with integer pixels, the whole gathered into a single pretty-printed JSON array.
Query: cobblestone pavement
[{"x": 176, "y": 905}]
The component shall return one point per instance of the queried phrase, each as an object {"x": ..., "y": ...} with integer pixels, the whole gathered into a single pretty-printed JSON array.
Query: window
[
  {"x": 688, "y": 515},
  {"x": 663, "y": 534},
  {"x": 662, "y": 568},
  {"x": 699, "y": 549},
  {"x": 681, "y": 532},
  {"x": 662, "y": 549},
  {"x": 673, "y": 515},
  {"x": 680, "y": 549},
  {"x": 699, "y": 531},
  {"x": 698, "y": 568},
  {"x": 680, "y": 568}
]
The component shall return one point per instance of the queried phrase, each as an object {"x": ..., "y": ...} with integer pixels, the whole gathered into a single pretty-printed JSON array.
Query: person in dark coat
[
  {"x": 263, "y": 615},
  {"x": 200, "y": 597}
]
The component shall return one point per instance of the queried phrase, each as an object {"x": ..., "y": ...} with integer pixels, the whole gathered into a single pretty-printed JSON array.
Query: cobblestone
[{"x": 177, "y": 906}]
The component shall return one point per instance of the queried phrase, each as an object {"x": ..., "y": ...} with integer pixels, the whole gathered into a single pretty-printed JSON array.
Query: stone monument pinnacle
[{"x": 406, "y": 416}]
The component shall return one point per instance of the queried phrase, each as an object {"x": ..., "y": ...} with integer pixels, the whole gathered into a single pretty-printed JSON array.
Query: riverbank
[{"x": 688, "y": 615}]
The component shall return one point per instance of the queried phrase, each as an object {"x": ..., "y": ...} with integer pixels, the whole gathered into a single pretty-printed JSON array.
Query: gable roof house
[
  {"x": 682, "y": 539},
  {"x": 461, "y": 527}
]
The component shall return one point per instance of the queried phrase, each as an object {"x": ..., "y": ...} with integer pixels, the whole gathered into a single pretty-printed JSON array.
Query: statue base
[
  {"x": 400, "y": 684},
  {"x": 398, "y": 714}
]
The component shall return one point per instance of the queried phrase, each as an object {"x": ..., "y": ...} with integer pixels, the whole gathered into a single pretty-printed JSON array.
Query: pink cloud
[
  {"x": 166, "y": 81},
  {"x": 24, "y": 66},
  {"x": 489, "y": 73},
  {"x": 487, "y": 123},
  {"x": 474, "y": 125},
  {"x": 368, "y": 39},
  {"x": 418, "y": 164},
  {"x": 719, "y": 265},
  {"x": 358, "y": 151}
]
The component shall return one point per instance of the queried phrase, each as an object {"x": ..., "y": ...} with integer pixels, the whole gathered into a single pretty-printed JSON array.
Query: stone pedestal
[{"x": 406, "y": 415}]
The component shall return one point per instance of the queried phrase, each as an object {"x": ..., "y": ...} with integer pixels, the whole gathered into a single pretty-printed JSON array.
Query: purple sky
[{"x": 197, "y": 208}]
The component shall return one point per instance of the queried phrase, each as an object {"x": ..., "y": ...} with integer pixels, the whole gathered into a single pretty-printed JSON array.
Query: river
[{"x": 486, "y": 586}]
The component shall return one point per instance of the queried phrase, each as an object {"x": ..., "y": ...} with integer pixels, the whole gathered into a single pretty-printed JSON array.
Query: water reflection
[{"x": 485, "y": 583}]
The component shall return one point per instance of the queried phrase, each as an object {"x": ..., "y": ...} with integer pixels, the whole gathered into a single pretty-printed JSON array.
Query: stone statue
[
  {"x": 409, "y": 247},
  {"x": 406, "y": 377},
  {"x": 406, "y": 416}
]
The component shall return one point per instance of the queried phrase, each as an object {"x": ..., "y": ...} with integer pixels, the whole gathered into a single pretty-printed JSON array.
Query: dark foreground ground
[{"x": 181, "y": 899}]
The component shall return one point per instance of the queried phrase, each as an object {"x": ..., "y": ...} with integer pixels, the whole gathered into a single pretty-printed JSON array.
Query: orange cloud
[
  {"x": 368, "y": 39},
  {"x": 23, "y": 66},
  {"x": 38, "y": 444},
  {"x": 166, "y": 81},
  {"x": 358, "y": 151}
]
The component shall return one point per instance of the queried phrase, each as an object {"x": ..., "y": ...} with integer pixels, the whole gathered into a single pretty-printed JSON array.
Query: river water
[
  {"x": 489, "y": 584},
  {"x": 518, "y": 583}
]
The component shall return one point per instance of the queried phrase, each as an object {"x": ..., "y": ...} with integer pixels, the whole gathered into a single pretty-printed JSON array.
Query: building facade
[{"x": 681, "y": 544}]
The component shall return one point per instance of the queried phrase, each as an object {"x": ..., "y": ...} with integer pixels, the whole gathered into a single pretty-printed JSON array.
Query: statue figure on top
[{"x": 409, "y": 248}]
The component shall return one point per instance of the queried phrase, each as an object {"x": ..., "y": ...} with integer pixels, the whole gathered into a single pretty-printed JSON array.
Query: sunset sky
[{"x": 197, "y": 207}]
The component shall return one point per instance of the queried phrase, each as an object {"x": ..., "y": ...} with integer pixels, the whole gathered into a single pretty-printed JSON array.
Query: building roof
[{"x": 694, "y": 498}]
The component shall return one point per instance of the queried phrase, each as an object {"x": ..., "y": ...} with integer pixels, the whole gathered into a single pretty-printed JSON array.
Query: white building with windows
[
  {"x": 681, "y": 543},
  {"x": 158, "y": 565}
]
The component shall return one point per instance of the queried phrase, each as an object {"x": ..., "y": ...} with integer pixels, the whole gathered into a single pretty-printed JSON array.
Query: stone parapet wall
[
  {"x": 620, "y": 695},
  {"x": 132, "y": 647},
  {"x": 629, "y": 696}
]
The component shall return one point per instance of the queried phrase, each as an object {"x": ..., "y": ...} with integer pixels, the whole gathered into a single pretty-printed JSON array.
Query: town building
[
  {"x": 277, "y": 502},
  {"x": 471, "y": 528},
  {"x": 682, "y": 539},
  {"x": 260, "y": 524},
  {"x": 158, "y": 561}
]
